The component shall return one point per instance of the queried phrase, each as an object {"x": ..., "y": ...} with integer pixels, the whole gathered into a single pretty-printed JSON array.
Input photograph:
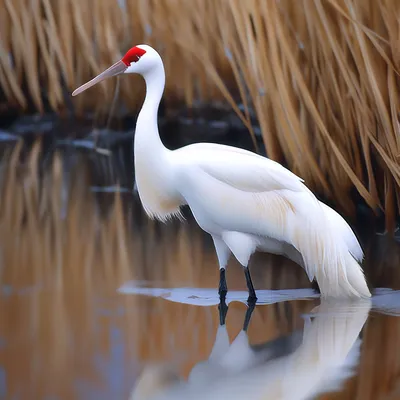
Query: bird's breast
[{"x": 157, "y": 194}]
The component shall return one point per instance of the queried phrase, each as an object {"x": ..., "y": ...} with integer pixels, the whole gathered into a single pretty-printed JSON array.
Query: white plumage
[{"x": 246, "y": 202}]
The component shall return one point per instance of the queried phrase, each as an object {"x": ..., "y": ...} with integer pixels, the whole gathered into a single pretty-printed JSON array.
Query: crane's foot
[
  {"x": 249, "y": 313},
  {"x": 223, "y": 310},
  {"x": 223, "y": 288},
  {"x": 252, "y": 293}
]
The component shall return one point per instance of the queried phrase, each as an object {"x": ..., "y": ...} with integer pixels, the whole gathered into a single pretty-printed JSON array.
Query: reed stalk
[{"x": 321, "y": 75}]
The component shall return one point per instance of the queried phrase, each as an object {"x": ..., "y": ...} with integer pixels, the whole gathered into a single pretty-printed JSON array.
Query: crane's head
[{"x": 140, "y": 59}]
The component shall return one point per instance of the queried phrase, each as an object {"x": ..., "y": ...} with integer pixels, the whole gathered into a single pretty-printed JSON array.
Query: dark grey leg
[
  {"x": 223, "y": 289},
  {"x": 252, "y": 293},
  {"x": 223, "y": 310},
  {"x": 249, "y": 313}
]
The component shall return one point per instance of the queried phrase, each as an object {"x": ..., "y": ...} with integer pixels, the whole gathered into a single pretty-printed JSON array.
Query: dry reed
[
  {"x": 322, "y": 76},
  {"x": 66, "y": 251}
]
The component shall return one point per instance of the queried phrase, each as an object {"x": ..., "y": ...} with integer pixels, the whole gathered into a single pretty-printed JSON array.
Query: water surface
[{"x": 93, "y": 294}]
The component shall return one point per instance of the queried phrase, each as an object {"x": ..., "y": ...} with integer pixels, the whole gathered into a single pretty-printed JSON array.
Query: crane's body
[{"x": 246, "y": 202}]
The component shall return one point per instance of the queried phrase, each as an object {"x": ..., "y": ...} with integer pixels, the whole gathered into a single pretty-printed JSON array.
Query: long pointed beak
[{"x": 116, "y": 69}]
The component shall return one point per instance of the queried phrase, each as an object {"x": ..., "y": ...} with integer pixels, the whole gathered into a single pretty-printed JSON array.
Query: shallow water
[{"x": 93, "y": 294}]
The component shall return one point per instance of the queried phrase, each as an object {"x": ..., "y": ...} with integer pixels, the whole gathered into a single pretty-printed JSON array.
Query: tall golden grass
[
  {"x": 66, "y": 251},
  {"x": 321, "y": 75}
]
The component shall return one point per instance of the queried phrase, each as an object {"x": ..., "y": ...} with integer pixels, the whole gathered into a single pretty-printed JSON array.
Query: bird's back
[
  {"x": 230, "y": 189},
  {"x": 237, "y": 167}
]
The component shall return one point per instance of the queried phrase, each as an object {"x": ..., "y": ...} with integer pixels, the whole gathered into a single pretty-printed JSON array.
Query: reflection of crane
[
  {"x": 286, "y": 368},
  {"x": 228, "y": 358},
  {"x": 246, "y": 202}
]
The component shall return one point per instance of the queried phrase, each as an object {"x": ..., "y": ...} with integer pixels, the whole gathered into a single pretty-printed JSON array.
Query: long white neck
[
  {"x": 147, "y": 138},
  {"x": 153, "y": 169}
]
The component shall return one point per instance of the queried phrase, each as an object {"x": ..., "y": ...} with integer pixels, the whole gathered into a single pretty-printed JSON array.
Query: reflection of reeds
[
  {"x": 322, "y": 76},
  {"x": 66, "y": 251}
]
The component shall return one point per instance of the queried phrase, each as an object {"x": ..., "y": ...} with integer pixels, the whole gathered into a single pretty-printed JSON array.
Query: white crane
[{"x": 246, "y": 202}]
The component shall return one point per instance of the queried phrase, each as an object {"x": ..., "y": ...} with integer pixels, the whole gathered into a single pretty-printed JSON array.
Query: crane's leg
[
  {"x": 223, "y": 254},
  {"x": 252, "y": 293},
  {"x": 249, "y": 313},
  {"x": 223, "y": 310},
  {"x": 222, "y": 288},
  {"x": 242, "y": 247}
]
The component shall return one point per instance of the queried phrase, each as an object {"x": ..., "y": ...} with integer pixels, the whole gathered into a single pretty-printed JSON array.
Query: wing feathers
[
  {"x": 239, "y": 168},
  {"x": 230, "y": 190}
]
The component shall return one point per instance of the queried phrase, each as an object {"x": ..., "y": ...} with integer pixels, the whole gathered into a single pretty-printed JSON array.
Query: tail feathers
[
  {"x": 326, "y": 244},
  {"x": 356, "y": 277},
  {"x": 337, "y": 223},
  {"x": 342, "y": 277}
]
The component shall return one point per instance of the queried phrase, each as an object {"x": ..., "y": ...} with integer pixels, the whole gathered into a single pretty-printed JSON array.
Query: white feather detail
[
  {"x": 253, "y": 195},
  {"x": 239, "y": 168}
]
